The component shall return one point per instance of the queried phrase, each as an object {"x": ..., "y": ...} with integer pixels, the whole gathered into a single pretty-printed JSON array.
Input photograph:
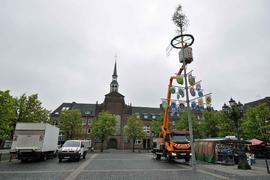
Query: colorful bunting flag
[
  {"x": 200, "y": 94},
  {"x": 180, "y": 79},
  {"x": 192, "y": 91},
  {"x": 198, "y": 87},
  {"x": 181, "y": 92},
  {"x": 208, "y": 100},
  {"x": 172, "y": 90},
  {"x": 191, "y": 79}
]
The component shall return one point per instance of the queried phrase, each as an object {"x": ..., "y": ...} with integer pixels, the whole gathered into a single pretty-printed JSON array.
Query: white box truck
[{"x": 33, "y": 141}]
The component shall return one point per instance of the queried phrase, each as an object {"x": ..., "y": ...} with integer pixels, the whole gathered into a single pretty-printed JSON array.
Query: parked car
[{"x": 72, "y": 149}]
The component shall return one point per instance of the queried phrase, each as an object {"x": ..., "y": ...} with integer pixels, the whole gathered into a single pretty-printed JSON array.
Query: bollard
[{"x": 267, "y": 166}]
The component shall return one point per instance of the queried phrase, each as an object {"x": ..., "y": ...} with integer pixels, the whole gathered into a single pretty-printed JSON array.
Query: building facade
[{"x": 114, "y": 102}]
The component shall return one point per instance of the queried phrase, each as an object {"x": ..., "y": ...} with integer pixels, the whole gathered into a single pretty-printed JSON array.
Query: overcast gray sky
[{"x": 65, "y": 50}]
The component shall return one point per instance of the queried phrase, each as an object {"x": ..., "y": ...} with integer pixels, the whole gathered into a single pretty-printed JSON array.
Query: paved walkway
[
  {"x": 233, "y": 170},
  {"x": 4, "y": 154}
]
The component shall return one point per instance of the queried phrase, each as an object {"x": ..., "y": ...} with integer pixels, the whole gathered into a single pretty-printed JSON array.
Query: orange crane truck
[{"x": 171, "y": 144}]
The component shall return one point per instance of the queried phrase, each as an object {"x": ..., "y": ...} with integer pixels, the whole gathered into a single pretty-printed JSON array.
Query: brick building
[{"x": 114, "y": 102}]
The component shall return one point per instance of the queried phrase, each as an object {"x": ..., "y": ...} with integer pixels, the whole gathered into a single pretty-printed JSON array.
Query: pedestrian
[
  {"x": 252, "y": 158},
  {"x": 248, "y": 155}
]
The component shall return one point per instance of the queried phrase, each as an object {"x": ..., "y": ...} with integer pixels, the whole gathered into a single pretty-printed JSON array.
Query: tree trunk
[
  {"x": 133, "y": 145},
  {"x": 101, "y": 149}
]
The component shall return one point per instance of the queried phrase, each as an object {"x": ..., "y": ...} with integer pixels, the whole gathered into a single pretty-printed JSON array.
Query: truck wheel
[
  {"x": 170, "y": 158},
  {"x": 187, "y": 159},
  {"x": 45, "y": 157},
  {"x": 158, "y": 156},
  {"x": 60, "y": 160},
  {"x": 23, "y": 160}
]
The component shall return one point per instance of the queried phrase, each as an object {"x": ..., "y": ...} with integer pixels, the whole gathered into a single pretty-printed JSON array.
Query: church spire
[
  {"x": 114, "y": 83},
  {"x": 114, "y": 71}
]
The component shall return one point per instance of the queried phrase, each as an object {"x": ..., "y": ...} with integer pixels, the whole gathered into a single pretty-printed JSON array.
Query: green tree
[
  {"x": 209, "y": 124},
  {"x": 156, "y": 126},
  {"x": 103, "y": 126},
  {"x": 225, "y": 125},
  {"x": 256, "y": 122},
  {"x": 70, "y": 122},
  {"x": 7, "y": 114},
  {"x": 182, "y": 124},
  {"x": 28, "y": 109},
  {"x": 134, "y": 129}
]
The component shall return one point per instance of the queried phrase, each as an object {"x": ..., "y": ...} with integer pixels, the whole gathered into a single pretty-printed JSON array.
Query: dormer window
[{"x": 65, "y": 108}]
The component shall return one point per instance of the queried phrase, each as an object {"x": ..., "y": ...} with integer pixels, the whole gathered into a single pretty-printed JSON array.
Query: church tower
[{"x": 114, "y": 83}]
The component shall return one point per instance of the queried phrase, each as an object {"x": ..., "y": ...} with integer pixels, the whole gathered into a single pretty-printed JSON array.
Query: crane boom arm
[{"x": 165, "y": 125}]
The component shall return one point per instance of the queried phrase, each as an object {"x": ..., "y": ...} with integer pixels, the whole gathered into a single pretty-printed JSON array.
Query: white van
[{"x": 72, "y": 149}]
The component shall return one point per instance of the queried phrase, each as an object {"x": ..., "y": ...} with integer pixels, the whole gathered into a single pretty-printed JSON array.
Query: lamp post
[
  {"x": 234, "y": 111},
  {"x": 87, "y": 114}
]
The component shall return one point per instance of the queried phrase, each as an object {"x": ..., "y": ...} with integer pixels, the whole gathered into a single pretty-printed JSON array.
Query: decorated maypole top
[{"x": 183, "y": 42}]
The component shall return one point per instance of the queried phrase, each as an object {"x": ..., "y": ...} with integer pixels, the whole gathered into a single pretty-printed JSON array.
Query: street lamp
[
  {"x": 235, "y": 112},
  {"x": 87, "y": 114}
]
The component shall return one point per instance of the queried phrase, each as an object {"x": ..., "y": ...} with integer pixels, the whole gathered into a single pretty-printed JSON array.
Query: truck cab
[
  {"x": 72, "y": 149},
  {"x": 174, "y": 145},
  {"x": 179, "y": 144}
]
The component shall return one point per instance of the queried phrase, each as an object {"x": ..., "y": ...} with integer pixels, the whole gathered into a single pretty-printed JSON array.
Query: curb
[{"x": 4, "y": 156}]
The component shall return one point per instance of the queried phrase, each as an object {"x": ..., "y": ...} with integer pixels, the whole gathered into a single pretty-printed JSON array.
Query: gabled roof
[
  {"x": 149, "y": 110},
  {"x": 147, "y": 113},
  {"x": 86, "y": 109},
  {"x": 258, "y": 102}
]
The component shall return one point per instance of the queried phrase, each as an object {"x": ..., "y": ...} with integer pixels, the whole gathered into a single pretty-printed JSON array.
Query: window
[
  {"x": 83, "y": 121},
  {"x": 88, "y": 112},
  {"x": 65, "y": 108},
  {"x": 138, "y": 141},
  {"x": 138, "y": 115},
  {"x": 146, "y": 129},
  {"x": 88, "y": 131}
]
